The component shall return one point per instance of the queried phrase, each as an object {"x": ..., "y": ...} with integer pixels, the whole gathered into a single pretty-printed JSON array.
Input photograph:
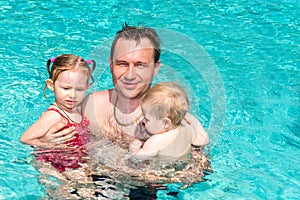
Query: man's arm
[
  {"x": 57, "y": 135},
  {"x": 54, "y": 137},
  {"x": 201, "y": 137}
]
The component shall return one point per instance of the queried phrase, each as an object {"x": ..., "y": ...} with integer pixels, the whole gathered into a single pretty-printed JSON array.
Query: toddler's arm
[{"x": 149, "y": 149}]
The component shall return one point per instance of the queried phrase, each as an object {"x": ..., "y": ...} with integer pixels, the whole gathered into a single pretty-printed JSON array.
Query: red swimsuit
[{"x": 68, "y": 158}]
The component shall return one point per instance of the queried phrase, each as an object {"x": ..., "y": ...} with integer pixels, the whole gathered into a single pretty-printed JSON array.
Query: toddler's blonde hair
[{"x": 166, "y": 99}]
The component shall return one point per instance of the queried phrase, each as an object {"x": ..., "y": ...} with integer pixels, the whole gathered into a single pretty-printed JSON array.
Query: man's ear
[
  {"x": 167, "y": 123},
  {"x": 50, "y": 84},
  {"x": 156, "y": 67},
  {"x": 110, "y": 64}
]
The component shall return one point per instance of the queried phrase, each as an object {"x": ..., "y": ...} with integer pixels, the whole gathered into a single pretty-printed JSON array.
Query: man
[
  {"x": 116, "y": 113},
  {"x": 133, "y": 66}
]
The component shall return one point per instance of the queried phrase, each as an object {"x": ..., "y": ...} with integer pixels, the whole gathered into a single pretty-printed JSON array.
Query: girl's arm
[
  {"x": 201, "y": 137},
  {"x": 39, "y": 129}
]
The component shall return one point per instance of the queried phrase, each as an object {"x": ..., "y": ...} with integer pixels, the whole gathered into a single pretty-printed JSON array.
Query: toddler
[
  {"x": 164, "y": 107},
  {"x": 69, "y": 80}
]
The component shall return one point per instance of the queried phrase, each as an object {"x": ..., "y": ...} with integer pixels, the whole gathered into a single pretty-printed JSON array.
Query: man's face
[{"x": 133, "y": 67}]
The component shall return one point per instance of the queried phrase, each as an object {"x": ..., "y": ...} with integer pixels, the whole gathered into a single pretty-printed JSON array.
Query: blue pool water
[{"x": 239, "y": 59}]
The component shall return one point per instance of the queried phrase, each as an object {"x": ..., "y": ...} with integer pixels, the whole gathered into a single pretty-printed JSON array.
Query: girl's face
[{"x": 69, "y": 89}]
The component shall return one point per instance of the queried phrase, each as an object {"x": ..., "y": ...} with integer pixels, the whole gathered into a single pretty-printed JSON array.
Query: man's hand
[{"x": 57, "y": 135}]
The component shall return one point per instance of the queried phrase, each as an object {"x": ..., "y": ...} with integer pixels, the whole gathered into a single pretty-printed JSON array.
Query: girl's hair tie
[
  {"x": 52, "y": 59},
  {"x": 88, "y": 61}
]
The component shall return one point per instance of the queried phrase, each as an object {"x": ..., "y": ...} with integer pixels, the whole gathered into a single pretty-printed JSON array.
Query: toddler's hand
[{"x": 135, "y": 146}]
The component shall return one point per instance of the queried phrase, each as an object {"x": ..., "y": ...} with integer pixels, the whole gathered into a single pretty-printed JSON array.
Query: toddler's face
[
  {"x": 152, "y": 124},
  {"x": 70, "y": 88}
]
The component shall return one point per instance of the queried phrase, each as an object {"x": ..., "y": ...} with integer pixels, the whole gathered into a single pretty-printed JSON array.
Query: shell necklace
[{"x": 129, "y": 123}]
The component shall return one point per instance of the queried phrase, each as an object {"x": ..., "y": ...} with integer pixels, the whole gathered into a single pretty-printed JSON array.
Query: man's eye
[
  {"x": 141, "y": 65},
  {"x": 122, "y": 64}
]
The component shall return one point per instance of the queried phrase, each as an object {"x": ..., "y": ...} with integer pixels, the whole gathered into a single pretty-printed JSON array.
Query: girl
[{"x": 69, "y": 79}]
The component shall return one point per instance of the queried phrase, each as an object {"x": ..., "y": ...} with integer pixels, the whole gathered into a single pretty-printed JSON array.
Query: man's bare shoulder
[
  {"x": 96, "y": 103},
  {"x": 96, "y": 99},
  {"x": 98, "y": 96}
]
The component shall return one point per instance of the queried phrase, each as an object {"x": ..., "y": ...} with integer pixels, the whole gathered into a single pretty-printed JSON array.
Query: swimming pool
[{"x": 254, "y": 49}]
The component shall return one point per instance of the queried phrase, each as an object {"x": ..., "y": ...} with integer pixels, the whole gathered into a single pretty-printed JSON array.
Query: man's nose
[{"x": 130, "y": 74}]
